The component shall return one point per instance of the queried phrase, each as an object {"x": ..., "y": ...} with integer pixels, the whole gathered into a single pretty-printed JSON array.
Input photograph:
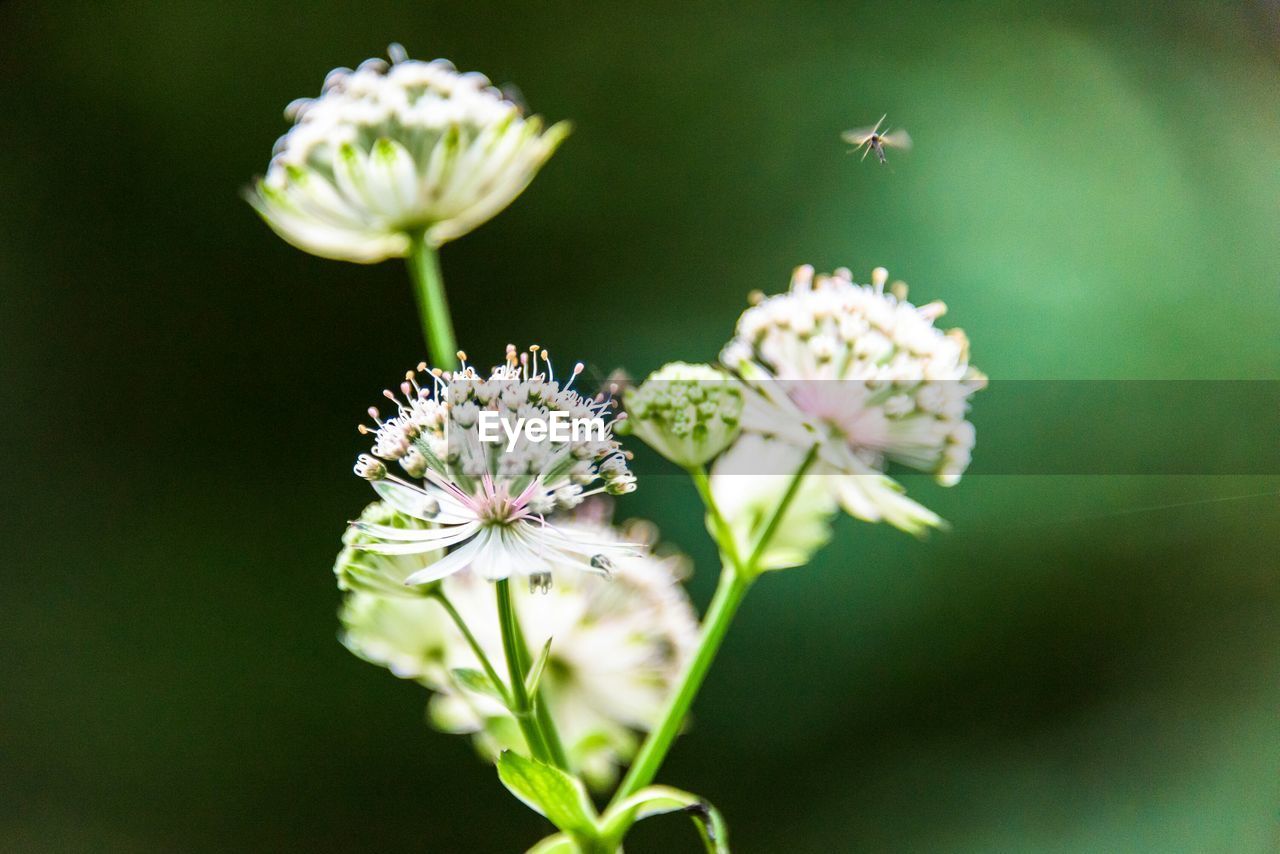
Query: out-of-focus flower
[
  {"x": 384, "y": 574},
  {"x": 687, "y": 413},
  {"x": 617, "y": 647},
  {"x": 748, "y": 498},
  {"x": 393, "y": 150},
  {"x": 866, "y": 376},
  {"x": 489, "y": 501}
]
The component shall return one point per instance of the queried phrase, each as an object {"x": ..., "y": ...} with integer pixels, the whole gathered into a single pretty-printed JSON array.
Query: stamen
[{"x": 878, "y": 277}]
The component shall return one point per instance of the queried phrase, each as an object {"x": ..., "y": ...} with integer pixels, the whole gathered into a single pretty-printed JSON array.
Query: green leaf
[
  {"x": 535, "y": 672},
  {"x": 478, "y": 682},
  {"x": 551, "y": 792},
  {"x": 560, "y": 843},
  {"x": 657, "y": 800}
]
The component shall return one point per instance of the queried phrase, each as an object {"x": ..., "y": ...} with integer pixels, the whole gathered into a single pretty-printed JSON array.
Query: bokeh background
[{"x": 1087, "y": 663}]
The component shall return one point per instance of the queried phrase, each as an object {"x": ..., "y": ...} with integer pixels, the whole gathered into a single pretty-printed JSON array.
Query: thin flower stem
[
  {"x": 735, "y": 580},
  {"x": 550, "y": 734},
  {"x": 724, "y": 535},
  {"x": 542, "y": 715},
  {"x": 729, "y": 593},
  {"x": 489, "y": 669},
  {"x": 433, "y": 306},
  {"x": 520, "y": 705},
  {"x": 780, "y": 511}
]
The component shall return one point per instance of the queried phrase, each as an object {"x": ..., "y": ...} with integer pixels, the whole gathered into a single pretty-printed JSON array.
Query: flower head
[
  {"x": 489, "y": 501},
  {"x": 688, "y": 413},
  {"x": 865, "y": 375},
  {"x": 617, "y": 647},
  {"x": 393, "y": 150}
]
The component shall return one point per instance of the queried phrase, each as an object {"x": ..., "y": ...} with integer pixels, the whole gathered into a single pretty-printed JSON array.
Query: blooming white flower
[
  {"x": 617, "y": 647},
  {"x": 392, "y": 150},
  {"x": 490, "y": 501},
  {"x": 687, "y": 413},
  {"x": 866, "y": 376}
]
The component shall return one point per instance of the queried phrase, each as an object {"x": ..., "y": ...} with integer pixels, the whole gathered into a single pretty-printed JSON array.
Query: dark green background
[{"x": 1083, "y": 664}]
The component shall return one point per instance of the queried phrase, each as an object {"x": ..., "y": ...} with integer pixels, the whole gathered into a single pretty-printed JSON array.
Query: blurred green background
[{"x": 1083, "y": 664}]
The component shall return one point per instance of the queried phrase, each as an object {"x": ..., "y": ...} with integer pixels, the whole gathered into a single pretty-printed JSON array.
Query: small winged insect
[{"x": 873, "y": 139}]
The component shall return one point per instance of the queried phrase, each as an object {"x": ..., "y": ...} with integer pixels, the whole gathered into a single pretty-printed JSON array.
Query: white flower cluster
[
  {"x": 392, "y": 150},
  {"x": 489, "y": 503},
  {"x": 867, "y": 376},
  {"x": 617, "y": 645}
]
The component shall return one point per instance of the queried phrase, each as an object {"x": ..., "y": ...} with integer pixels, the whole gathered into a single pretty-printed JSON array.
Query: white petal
[{"x": 454, "y": 561}]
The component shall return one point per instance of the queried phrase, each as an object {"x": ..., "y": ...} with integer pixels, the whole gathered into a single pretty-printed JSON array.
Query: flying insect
[{"x": 870, "y": 139}]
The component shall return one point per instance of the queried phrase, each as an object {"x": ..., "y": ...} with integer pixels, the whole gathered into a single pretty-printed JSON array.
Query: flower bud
[
  {"x": 369, "y": 468},
  {"x": 687, "y": 413}
]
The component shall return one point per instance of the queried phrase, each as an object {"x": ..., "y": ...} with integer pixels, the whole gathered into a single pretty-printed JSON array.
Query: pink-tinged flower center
[{"x": 844, "y": 407}]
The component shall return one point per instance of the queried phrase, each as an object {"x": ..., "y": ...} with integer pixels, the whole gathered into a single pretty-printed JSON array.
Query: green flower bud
[
  {"x": 687, "y": 413},
  {"x": 370, "y": 572}
]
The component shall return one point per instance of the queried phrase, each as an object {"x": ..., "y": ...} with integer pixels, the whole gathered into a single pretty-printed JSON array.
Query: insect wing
[
  {"x": 897, "y": 139},
  {"x": 859, "y": 136}
]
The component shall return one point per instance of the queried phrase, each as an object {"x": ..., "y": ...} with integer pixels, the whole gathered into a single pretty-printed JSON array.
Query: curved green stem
[
  {"x": 489, "y": 669},
  {"x": 729, "y": 594},
  {"x": 735, "y": 579},
  {"x": 521, "y": 707},
  {"x": 433, "y": 307},
  {"x": 781, "y": 510}
]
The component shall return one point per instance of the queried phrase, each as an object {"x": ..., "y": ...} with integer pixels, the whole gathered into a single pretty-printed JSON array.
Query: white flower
[
  {"x": 617, "y": 647},
  {"x": 687, "y": 413},
  {"x": 489, "y": 502},
  {"x": 865, "y": 375},
  {"x": 387, "y": 151}
]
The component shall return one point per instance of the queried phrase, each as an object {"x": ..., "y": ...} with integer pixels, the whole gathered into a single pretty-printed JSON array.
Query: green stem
[
  {"x": 478, "y": 650},
  {"x": 729, "y": 593},
  {"x": 724, "y": 535},
  {"x": 549, "y": 732},
  {"x": 780, "y": 511},
  {"x": 520, "y": 705},
  {"x": 735, "y": 580},
  {"x": 433, "y": 307},
  {"x": 542, "y": 715}
]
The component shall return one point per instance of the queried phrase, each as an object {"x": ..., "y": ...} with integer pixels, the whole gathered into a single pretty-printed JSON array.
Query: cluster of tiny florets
[
  {"x": 898, "y": 386},
  {"x": 689, "y": 413},
  {"x": 390, "y": 150},
  {"x": 436, "y": 428}
]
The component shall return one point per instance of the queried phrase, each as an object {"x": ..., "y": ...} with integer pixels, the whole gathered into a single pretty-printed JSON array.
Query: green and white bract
[
  {"x": 867, "y": 376},
  {"x": 391, "y": 150},
  {"x": 618, "y": 645},
  {"x": 491, "y": 506}
]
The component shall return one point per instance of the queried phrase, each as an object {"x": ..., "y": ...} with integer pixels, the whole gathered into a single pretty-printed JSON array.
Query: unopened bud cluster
[
  {"x": 395, "y": 150},
  {"x": 688, "y": 413}
]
